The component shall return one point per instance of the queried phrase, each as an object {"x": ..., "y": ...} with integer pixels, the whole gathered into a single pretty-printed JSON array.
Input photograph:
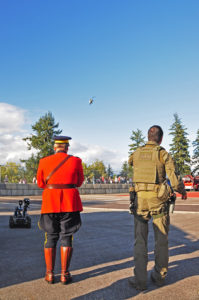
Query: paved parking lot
[{"x": 103, "y": 254}]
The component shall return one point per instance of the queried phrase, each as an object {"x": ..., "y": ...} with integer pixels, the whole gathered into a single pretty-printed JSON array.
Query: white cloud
[
  {"x": 12, "y": 118},
  {"x": 12, "y": 122},
  {"x": 13, "y": 148},
  {"x": 89, "y": 153}
]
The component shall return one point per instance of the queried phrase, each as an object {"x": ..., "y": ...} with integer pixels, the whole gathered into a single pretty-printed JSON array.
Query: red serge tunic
[{"x": 71, "y": 172}]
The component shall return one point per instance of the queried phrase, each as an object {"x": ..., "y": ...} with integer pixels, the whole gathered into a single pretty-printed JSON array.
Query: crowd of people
[
  {"x": 21, "y": 180},
  {"x": 110, "y": 180},
  {"x": 102, "y": 179}
]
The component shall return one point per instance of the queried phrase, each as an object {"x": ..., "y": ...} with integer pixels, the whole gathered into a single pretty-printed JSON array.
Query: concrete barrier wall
[
  {"x": 15, "y": 189},
  {"x": 104, "y": 188}
]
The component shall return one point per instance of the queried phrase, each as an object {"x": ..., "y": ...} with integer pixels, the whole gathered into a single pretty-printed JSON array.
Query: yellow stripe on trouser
[
  {"x": 45, "y": 242},
  {"x": 39, "y": 225}
]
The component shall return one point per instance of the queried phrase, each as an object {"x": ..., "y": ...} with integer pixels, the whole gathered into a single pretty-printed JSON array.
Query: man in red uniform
[{"x": 59, "y": 175}]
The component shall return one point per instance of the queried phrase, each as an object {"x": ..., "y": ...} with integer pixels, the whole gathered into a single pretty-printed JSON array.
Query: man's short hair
[
  {"x": 61, "y": 146},
  {"x": 155, "y": 133}
]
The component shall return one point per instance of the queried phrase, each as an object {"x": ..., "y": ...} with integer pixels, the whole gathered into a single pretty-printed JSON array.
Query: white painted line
[
  {"x": 17, "y": 204},
  {"x": 8, "y": 203},
  {"x": 120, "y": 209},
  {"x": 185, "y": 212},
  {"x": 180, "y": 204},
  {"x": 10, "y": 213}
]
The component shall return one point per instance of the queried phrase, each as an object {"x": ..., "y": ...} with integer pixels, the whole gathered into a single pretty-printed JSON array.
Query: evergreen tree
[
  {"x": 195, "y": 158},
  {"x": 179, "y": 148},
  {"x": 137, "y": 139},
  {"x": 126, "y": 171},
  {"x": 44, "y": 130},
  {"x": 31, "y": 167},
  {"x": 109, "y": 171},
  {"x": 41, "y": 140}
]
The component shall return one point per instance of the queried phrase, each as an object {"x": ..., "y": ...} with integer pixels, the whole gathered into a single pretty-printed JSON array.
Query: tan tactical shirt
[{"x": 166, "y": 159}]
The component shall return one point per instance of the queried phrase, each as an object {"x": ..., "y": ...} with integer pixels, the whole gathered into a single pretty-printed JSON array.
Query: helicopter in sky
[{"x": 91, "y": 100}]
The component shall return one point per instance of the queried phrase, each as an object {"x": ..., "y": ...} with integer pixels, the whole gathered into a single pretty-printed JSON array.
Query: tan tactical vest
[{"x": 147, "y": 167}]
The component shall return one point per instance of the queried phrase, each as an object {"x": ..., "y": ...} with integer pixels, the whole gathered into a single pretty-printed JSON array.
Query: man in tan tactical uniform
[{"x": 150, "y": 164}]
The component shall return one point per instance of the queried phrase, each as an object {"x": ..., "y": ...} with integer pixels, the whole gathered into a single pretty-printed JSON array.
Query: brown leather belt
[{"x": 60, "y": 186}]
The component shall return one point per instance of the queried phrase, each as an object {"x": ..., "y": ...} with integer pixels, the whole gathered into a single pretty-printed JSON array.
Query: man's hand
[{"x": 184, "y": 195}]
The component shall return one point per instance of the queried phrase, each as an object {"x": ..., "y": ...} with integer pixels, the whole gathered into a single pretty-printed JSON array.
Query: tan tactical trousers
[{"x": 148, "y": 205}]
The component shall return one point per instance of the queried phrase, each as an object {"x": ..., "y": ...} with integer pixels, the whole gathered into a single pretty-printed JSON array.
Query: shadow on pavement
[
  {"x": 20, "y": 253},
  {"x": 104, "y": 237},
  {"x": 119, "y": 290},
  {"x": 180, "y": 243}
]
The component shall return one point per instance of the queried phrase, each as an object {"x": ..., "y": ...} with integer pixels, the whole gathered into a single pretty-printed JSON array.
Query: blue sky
[{"x": 139, "y": 58}]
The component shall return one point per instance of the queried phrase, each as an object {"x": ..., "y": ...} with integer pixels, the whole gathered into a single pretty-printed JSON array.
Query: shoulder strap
[
  {"x": 160, "y": 148},
  {"x": 57, "y": 167}
]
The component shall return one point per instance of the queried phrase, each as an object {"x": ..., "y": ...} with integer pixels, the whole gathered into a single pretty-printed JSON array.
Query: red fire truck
[
  {"x": 196, "y": 183},
  {"x": 191, "y": 183},
  {"x": 188, "y": 182}
]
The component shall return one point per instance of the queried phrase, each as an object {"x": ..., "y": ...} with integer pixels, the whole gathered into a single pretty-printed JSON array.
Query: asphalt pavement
[{"x": 103, "y": 254}]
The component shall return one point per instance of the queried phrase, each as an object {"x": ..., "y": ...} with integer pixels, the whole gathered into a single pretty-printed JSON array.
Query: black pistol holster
[
  {"x": 132, "y": 206},
  {"x": 172, "y": 200}
]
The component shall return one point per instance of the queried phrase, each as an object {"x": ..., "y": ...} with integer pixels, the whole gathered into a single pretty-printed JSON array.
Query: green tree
[
  {"x": 109, "y": 171},
  {"x": 126, "y": 171},
  {"x": 31, "y": 167},
  {"x": 13, "y": 171},
  {"x": 137, "y": 139},
  {"x": 42, "y": 141},
  {"x": 179, "y": 148},
  {"x": 97, "y": 169},
  {"x": 195, "y": 158},
  {"x": 86, "y": 170},
  {"x": 44, "y": 130}
]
